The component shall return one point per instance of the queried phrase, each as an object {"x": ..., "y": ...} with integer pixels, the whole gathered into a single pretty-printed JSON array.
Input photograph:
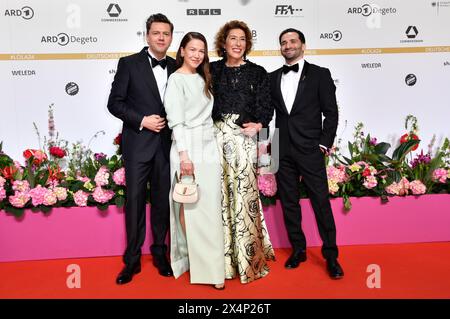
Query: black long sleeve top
[{"x": 242, "y": 90}]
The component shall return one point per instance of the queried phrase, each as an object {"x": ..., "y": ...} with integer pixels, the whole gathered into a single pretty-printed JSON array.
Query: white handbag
[{"x": 185, "y": 192}]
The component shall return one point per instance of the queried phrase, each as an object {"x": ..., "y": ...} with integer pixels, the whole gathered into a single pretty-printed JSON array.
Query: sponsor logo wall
[{"x": 388, "y": 59}]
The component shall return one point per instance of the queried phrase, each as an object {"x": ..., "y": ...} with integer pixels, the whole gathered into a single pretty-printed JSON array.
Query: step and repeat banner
[{"x": 388, "y": 59}]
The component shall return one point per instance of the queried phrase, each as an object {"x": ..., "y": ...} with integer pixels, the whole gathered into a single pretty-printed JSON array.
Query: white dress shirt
[
  {"x": 289, "y": 85},
  {"x": 160, "y": 76},
  {"x": 161, "y": 79}
]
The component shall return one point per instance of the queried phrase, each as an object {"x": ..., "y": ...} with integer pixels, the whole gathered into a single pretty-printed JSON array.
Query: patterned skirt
[{"x": 247, "y": 242}]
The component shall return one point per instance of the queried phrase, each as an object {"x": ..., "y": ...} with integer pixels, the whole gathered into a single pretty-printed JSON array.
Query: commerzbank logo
[
  {"x": 411, "y": 34},
  {"x": 367, "y": 10},
  {"x": 114, "y": 12}
]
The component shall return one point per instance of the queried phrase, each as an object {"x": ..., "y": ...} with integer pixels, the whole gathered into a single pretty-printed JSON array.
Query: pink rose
[
  {"x": 37, "y": 195},
  {"x": 80, "y": 198},
  {"x": 61, "y": 193},
  {"x": 2, "y": 194},
  {"x": 267, "y": 184},
  {"x": 102, "y": 176},
  {"x": 50, "y": 198},
  {"x": 370, "y": 182},
  {"x": 119, "y": 176},
  {"x": 417, "y": 187},
  {"x": 19, "y": 199},
  {"x": 21, "y": 186},
  {"x": 102, "y": 195},
  {"x": 440, "y": 174},
  {"x": 2, "y": 181}
]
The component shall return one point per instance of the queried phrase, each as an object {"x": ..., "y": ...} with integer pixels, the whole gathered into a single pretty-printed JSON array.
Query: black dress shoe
[
  {"x": 334, "y": 269},
  {"x": 161, "y": 262},
  {"x": 127, "y": 273},
  {"x": 295, "y": 259}
]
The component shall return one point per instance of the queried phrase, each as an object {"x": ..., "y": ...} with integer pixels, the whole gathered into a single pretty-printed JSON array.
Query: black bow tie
[
  {"x": 162, "y": 63},
  {"x": 287, "y": 68}
]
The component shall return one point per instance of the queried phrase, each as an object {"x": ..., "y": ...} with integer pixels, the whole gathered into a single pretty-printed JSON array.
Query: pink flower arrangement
[
  {"x": 417, "y": 187},
  {"x": 19, "y": 199},
  {"x": 267, "y": 184},
  {"x": 337, "y": 174},
  {"x": 119, "y": 177},
  {"x": 84, "y": 179},
  {"x": 37, "y": 195},
  {"x": 2, "y": 194},
  {"x": 401, "y": 188},
  {"x": 80, "y": 198},
  {"x": 50, "y": 198},
  {"x": 370, "y": 182},
  {"x": 21, "y": 186},
  {"x": 102, "y": 176},
  {"x": 61, "y": 193},
  {"x": 440, "y": 174},
  {"x": 102, "y": 195},
  {"x": 2, "y": 182}
]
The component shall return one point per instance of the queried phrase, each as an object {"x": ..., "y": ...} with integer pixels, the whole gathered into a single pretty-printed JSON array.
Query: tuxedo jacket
[
  {"x": 303, "y": 128},
  {"x": 134, "y": 94}
]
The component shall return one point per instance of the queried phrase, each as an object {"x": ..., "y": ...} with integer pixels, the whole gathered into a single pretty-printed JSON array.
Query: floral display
[{"x": 58, "y": 174}]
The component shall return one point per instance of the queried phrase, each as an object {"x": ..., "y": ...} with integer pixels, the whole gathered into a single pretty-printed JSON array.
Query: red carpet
[{"x": 407, "y": 271}]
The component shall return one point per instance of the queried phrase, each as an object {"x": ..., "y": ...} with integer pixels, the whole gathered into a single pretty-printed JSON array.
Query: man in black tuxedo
[
  {"x": 137, "y": 99},
  {"x": 302, "y": 93}
]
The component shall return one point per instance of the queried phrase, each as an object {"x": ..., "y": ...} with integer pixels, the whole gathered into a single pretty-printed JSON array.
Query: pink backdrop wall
[{"x": 88, "y": 232}]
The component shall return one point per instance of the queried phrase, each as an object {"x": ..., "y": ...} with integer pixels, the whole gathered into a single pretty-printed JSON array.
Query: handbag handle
[{"x": 179, "y": 177}]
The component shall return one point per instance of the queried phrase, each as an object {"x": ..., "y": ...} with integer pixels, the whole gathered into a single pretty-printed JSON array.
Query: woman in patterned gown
[{"x": 241, "y": 108}]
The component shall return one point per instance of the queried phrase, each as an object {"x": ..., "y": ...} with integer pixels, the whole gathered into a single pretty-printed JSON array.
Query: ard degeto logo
[
  {"x": 284, "y": 10},
  {"x": 203, "y": 12},
  {"x": 64, "y": 39},
  {"x": 336, "y": 35},
  {"x": 367, "y": 9},
  {"x": 410, "y": 79},
  {"x": 72, "y": 88},
  {"x": 25, "y": 13}
]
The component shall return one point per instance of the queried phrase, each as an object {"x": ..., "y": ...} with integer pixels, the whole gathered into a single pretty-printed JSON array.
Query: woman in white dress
[{"x": 196, "y": 231}]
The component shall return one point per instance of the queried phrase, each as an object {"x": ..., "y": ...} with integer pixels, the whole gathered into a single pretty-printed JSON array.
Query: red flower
[
  {"x": 55, "y": 174},
  {"x": 8, "y": 172},
  {"x": 57, "y": 152},
  {"x": 366, "y": 172},
  {"x": 39, "y": 156},
  {"x": 407, "y": 137},
  {"x": 118, "y": 139}
]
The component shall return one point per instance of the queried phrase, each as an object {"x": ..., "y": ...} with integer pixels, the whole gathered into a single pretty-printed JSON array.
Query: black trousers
[
  {"x": 137, "y": 175},
  {"x": 310, "y": 164}
]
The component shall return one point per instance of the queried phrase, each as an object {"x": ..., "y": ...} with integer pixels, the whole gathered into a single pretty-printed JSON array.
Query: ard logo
[{"x": 26, "y": 13}]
